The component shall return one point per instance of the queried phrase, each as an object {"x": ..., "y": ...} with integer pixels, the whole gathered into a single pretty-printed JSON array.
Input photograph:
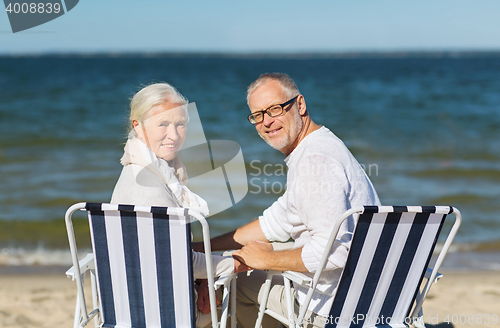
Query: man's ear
[{"x": 301, "y": 102}]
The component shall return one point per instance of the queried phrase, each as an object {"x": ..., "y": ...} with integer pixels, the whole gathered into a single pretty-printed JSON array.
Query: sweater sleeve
[
  {"x": 140, "y": 187},
  {"x": 273, "y": 221},
  {"x": 221, "y": 265},
  {"x": 322, "y": 197}
]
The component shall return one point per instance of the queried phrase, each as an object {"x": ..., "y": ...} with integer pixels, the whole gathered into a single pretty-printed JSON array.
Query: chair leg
[
  {"x": 95, "y": 303},
  {"x": 77, "y": 314},
  {"x": 262, "y": 307},
  {"x": 418, "y": 321},
  {"x": 289, "y": 301},
  {"x": 225, "y": 303},
  {"x": 233, "y": 303}
]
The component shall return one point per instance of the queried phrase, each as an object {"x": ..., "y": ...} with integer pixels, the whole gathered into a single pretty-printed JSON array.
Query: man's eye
[{"x": 275, "y": 109}]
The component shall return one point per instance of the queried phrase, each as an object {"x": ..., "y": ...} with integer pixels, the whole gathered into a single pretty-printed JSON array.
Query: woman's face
[{"x": 164, "y": 129}]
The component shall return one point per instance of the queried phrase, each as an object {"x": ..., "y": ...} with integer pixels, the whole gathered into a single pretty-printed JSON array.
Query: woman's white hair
[{"x": 153, "y": 95}]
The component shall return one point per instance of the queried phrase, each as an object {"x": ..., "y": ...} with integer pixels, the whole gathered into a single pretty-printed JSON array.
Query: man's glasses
[{"x": 273, "y": 111}]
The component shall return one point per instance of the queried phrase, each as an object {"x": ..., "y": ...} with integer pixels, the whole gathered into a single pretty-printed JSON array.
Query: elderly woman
[{"x": 153, "y": 174}]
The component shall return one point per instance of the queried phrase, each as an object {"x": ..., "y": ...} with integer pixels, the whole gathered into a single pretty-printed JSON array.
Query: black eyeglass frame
[{"x": 249, "y": 117}]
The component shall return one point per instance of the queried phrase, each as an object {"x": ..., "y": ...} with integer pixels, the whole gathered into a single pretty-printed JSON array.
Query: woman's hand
[
  {"x": 203, "y": 301},
  {"x": 198, "y": 247},
  {"x": 240, "y": 267}
]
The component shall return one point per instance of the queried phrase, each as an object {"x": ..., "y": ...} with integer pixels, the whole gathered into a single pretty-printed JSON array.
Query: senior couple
[{"x": 323, "y": 181}]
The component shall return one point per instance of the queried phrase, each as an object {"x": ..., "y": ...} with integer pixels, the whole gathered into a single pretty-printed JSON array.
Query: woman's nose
[{"x": 172, "y": 132}]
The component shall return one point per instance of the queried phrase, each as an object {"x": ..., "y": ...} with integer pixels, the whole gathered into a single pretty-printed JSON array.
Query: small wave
[
  {"x": 463, "y": 199},
  {"x": 490, "y": 246},
  {"x": 459, "y": 173},
  {"x": 470, "y": 261},
  {"x": 40, "y": 256},
  {"x": 476, "y": 247}
]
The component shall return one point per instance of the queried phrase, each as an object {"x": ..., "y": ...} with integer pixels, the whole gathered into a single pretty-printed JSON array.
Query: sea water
[{"x": 426, "y": 129}]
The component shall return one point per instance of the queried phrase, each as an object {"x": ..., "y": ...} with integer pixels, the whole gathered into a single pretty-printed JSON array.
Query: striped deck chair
[
  {"x": 141, "y": 267},
  {"x": 380, "y": 285}
]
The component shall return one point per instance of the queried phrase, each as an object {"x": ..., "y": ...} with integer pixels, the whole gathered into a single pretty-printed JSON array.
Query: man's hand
[
  {"x": 260, "y": 255},
  {"x": 255, "y": 254},
  {"x": 203, "y": 301},
  {"x": 234, "y": 239}
]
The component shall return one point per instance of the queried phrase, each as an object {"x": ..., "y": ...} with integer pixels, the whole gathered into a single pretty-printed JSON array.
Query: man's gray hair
[{"x": 284, "y": 80}]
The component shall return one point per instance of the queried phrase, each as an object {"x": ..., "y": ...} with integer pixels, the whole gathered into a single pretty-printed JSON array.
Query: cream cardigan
[{"x": 139, "y": 186}]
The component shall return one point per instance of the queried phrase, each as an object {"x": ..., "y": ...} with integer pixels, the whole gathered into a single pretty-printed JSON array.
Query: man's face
[{"x": 279, "y": 132}]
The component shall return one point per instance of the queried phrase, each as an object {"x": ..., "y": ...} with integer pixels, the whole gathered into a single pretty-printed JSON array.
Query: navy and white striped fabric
[
  {"x": 143, "y": 263},
  {"x": 389, "y": 254}
]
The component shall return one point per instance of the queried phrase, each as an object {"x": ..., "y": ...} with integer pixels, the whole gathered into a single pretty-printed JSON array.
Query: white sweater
[
  {"x": 138, "y": 186},
  {"x": 323, "y": 181}
]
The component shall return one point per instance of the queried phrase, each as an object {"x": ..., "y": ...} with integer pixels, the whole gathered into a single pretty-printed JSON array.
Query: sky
[{"x": 257, "y": 26}]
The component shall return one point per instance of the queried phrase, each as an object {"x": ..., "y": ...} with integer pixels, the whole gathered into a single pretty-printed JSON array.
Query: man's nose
[{"x": 268, "y": 120}]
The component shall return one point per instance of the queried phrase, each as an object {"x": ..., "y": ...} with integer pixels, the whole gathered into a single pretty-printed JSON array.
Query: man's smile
[{"x": 273, "y": 132}]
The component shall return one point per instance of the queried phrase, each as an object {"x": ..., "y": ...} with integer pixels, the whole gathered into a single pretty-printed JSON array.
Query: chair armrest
[
  {"x": 86, "y": 264},
  {"x": 224, "y": 280},
  {"x": 428, "y": 273},
  {"x": 298, "y": 277}
]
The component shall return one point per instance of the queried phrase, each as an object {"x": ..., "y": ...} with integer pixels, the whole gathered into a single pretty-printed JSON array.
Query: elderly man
[{"x": 323, "y": 181}]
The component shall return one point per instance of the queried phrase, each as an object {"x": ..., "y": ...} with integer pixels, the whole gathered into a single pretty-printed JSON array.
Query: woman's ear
[{"x": 139, "y": 129}]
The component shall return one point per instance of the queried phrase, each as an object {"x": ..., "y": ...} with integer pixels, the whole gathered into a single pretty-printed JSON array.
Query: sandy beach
[
  {"x": 470, "y": 299},
  {"x": 37, "y": 300},
  {"x": 466, "y": 299}
]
